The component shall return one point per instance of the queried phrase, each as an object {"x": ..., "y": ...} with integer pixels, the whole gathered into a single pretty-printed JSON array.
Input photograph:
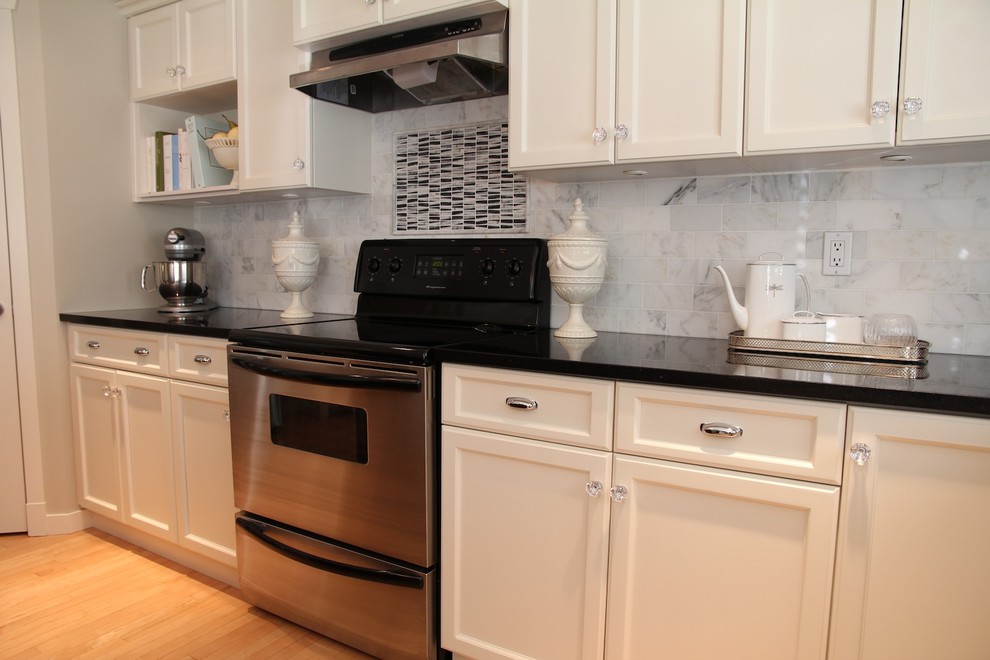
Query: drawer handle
[
  {"x": 93, "y": 344},
  {"x": 521, "y": 402},
  {"x": 142, "y": 351},
  {"x": 721, "y": 430},
  {"x": 203, "y": 359}
]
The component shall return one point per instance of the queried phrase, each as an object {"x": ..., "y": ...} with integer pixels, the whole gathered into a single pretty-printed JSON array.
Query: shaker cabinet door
[
  {"x": 154, "y": 46},
  {"x": 815, "y": 70},
  {"x": 97, "y": 448}
]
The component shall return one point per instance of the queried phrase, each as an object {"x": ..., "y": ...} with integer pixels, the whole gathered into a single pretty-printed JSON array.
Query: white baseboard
[{"x": 42, "y": 523}]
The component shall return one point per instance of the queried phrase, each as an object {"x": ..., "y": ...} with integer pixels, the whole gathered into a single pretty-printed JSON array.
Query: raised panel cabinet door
[
  {"x": 709, "y": 563},
  {"x": 945, "y": 59},
  {"x": 96, "y": 440},
  {"x": 206, "y": 42},
  {"x": 912, "y": 579},
  {"x": 148, "y": 484},
  {"x": 815, "y": 70},
  {"x": 154, "y": 48},
  {"x": 204, "y": 476},
  {"x": 561, "y": 82},
  {"x": 318, "y": 19},
  {"x": 680, "y": 78},
  {"x": 524, "y": 547}
]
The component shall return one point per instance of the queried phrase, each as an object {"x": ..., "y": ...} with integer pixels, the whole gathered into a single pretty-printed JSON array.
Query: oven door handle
[
  {"x": 370, "y": 382},
  {"x": 257, "y": 530}
]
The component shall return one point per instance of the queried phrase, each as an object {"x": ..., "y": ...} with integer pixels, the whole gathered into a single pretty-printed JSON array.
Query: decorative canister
[
  {"x": 296, "y": 260},
  {"x": 577, "y": 267}
]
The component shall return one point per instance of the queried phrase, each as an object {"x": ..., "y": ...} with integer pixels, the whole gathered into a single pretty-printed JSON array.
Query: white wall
[{"x": 87, "y": 240}]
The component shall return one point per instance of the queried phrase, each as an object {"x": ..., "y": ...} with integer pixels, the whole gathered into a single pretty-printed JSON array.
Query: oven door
[{"x": 338, "y": 447}]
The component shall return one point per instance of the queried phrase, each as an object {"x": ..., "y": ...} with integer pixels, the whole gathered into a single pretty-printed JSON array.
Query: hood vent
[{"x": 455, "y": 61}]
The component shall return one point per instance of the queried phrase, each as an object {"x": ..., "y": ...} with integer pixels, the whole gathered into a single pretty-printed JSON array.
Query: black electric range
[{"x": 417, "y": 295}]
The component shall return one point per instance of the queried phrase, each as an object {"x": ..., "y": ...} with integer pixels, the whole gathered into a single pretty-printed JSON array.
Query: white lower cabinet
[
  {"x": 698, "y": 561},
  {"x": 153, "y": 452},
  {"x": 124, "y": 441},
  {"x": 912, "y": 579}
]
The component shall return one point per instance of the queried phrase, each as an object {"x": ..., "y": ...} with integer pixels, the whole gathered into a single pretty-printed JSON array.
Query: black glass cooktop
[{"x": 408, "y": 343}]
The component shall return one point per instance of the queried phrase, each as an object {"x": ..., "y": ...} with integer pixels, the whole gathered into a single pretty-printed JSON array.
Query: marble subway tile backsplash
[{"x": 921, "y": 240}]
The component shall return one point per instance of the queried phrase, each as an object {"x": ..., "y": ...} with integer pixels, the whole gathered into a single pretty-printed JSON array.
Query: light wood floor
[{"x": 90, "y": 595}]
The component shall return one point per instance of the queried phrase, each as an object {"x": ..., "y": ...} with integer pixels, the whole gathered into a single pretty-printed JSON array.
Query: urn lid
[
  {"x": 295, "y": 236},
  {"x": 579, "y": 227}
]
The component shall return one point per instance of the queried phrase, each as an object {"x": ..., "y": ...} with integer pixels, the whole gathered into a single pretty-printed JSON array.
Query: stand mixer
[{"x": 181, "y": 280}]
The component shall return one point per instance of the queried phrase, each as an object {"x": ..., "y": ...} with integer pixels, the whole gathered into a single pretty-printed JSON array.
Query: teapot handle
[{"x": 807, "y": 290}]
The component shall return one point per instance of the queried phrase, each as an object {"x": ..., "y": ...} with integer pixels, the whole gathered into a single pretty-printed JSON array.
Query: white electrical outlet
[{"x": 837, "y": 253}]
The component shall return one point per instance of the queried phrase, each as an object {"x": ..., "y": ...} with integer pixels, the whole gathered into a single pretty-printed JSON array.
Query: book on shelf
[
  {"x": 160, "y": 160},
  {"x": 185, "y": 173},
  {"x": 205, "y": 170},
  {"x": 150, "y": 166},
  {"x": 175, "y": 161},
  {"x": 167, "y": 161}
]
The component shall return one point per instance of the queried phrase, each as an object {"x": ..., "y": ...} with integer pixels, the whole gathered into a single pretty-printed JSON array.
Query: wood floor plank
[{"x": 90, "y": 595}]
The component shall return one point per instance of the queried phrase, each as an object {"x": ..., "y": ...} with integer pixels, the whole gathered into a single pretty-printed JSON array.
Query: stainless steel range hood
[{"x": 454, "y": 61}]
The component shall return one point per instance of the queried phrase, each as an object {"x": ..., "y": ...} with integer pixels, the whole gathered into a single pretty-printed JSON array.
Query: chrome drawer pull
[
  {"x": 521, "y": 402},
  {"x": 142, "y": 351},
  {"x": 203, "y": 359},
  {"x": 721, "y": 430},
  {"x": 93, "y": 344}
]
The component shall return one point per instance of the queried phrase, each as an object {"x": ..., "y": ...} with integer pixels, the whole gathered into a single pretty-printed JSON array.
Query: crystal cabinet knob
[
  {"x": 226, "y": 415},
  {"x": 860, "y": 452},
  {"x": 170, "y": 71},
  {"x": 599, "y": 134},
  {"x": 621, "y": 131},
  {"x": 618, "y": 493},
  {"x": 912, "y": 105},
  {"x": 107, "y": 391},
  {"x": 594, "y": 488},
  {"x": 880, "y": 109},
  {"x": 180, "y": 70},
  {"x": 298, "y": 164}
]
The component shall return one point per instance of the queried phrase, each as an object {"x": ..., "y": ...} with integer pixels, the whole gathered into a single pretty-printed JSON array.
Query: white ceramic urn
[
  {"x": 296, "y": 260},
  {"x": 577, "y": 267}
]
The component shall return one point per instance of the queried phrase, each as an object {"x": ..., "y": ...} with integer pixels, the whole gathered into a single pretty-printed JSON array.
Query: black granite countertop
[
  {"x": 215, "y": 323},
  {"x": 955, "y": 384}
]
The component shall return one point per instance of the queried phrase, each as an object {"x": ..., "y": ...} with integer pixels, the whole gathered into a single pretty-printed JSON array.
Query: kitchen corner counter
[
  {"x": 956, "y": 384},
  {"x": 215, "y": 323}
]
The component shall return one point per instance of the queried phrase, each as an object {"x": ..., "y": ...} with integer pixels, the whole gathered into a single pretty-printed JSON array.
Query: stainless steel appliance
[
  {"x": 181, "y": 280},
  {"x": 334, "y": 436},
  {"x": 456, "y": 60}
]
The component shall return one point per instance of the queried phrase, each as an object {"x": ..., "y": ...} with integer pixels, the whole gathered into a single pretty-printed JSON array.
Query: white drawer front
[
  {"x": 574, "y": 411},
  {"x": 784, "y": 437},
  {"x": 198, "y": 359},
  {"x": 119, "y": 349}
]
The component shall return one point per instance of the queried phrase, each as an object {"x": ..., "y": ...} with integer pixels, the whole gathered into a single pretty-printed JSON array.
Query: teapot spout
[{"x": 738, "y": 311}]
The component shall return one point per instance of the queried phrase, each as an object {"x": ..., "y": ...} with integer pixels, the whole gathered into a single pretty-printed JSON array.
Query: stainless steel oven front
[{"x": 334, "y": 477}]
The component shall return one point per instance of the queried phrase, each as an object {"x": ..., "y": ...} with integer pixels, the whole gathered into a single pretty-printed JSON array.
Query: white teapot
[{"x": 770, "y": 296}]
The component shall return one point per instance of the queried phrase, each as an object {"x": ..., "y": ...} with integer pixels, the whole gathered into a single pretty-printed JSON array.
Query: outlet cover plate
[{"x": 837, "y": 253}]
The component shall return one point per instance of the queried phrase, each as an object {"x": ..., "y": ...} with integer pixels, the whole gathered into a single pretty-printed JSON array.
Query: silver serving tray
[
  {"x": 867, "y": 353},
  {"x": 808, "y": 363}
]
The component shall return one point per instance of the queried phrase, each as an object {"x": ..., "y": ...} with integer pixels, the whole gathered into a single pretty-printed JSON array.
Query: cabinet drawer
[
  {"x": 198, "y": 359},
  {"x": 575, "y": 411},
  {"x": 125, "y": 349},
  {"x": 784, "y": 437}
]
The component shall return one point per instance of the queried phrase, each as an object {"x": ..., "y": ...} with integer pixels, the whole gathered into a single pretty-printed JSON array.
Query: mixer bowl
[{"x": 180, "y": 283}]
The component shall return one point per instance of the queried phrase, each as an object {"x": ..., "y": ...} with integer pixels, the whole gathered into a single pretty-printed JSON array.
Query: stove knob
[
  {"x": 513, "y": 268},
  {"x": 487, "y": 266},
  {"x": 374, "y": 265},
  {"x": 394, "y": 265}
]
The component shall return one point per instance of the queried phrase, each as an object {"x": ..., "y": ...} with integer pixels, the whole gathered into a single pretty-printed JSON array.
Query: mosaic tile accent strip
[{"x": 457, "y": 180}]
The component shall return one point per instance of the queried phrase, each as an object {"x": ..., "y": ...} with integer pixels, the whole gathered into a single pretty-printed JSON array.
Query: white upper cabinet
[
  {"x": 624, "y": 81},
  {"x": 316, "y": 23},
  {"x": 945, "y": 57},
  {"x": 287, "y": 139},
  {"x": 820, "y": 73},
  {"x": 181, "y": 46}
]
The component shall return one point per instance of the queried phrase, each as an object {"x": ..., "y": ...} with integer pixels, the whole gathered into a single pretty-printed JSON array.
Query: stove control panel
[{"x": 466, "y": 268}]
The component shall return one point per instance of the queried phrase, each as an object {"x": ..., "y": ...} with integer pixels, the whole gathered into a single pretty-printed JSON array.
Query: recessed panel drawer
[
  {"x": 567, "y": 409},
  {"x": 119, "y": 349},
  {"x": 198, "y": 359},
  {"x": 752, "y": 433}
]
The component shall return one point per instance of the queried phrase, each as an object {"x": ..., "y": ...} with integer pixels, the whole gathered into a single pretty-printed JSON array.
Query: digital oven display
[{"x": 439, "y": 266}]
